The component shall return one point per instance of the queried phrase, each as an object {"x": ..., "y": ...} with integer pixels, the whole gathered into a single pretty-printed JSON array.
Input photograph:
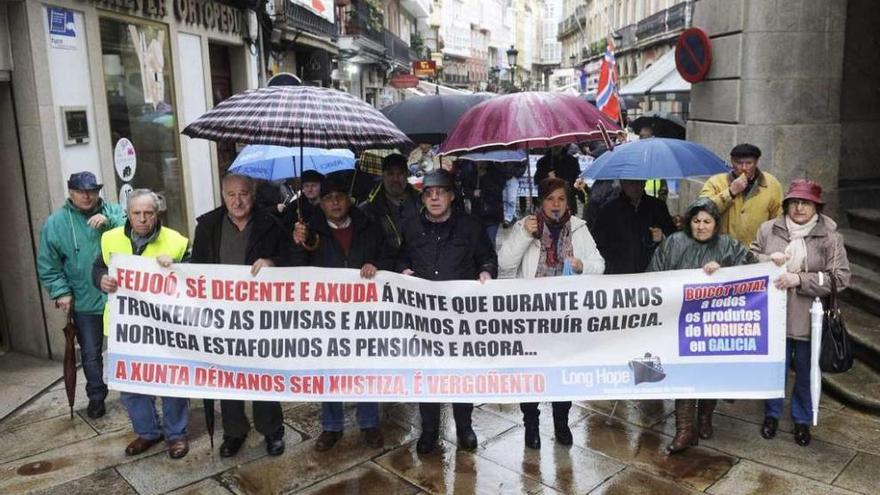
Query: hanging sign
[{"x": 125, "y": 159}]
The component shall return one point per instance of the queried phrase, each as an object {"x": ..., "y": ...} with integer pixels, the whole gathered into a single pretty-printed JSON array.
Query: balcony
[
  {"x": 670, "y": 20},
  {"x": 302, "y": 19},
  {"x": 398, "y": 50},
  {"x": 362, "y": 20}
]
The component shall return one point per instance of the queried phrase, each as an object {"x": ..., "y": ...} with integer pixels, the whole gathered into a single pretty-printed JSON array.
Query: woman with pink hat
[{"x": 808, "y": 243}]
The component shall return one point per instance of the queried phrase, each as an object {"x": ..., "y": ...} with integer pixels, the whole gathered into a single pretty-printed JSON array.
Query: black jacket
[
  {"x": 367, "y": 245},
  {"x": 390, "y": 216},
  {"x": 267, "y": 240},
  {"x": 291, "y": 213},
  {"x": 622, "y": 234},
  {"x": 489, "y": 207},
  {"x": 457, "y": 249}
]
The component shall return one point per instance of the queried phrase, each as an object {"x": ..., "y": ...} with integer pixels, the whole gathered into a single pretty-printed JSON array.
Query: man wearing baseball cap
[{"x": 70, "y": 240}]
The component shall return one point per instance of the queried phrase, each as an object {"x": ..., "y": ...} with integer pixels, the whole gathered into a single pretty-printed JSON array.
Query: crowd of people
[{"x": 741, "y": 217}]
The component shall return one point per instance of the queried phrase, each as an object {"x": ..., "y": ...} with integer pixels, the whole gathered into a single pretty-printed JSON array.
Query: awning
[
  {"x": 431, "y": 89},
  {"x": 661, "y": 73}
]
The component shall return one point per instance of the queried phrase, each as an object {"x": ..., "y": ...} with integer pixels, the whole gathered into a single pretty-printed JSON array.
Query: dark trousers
[
  {"x": 267, "y": 418},
  {"x": 531, "y": 412},
  {"x": 430, "y": 413},
  {"x": 90, "y": 335}
]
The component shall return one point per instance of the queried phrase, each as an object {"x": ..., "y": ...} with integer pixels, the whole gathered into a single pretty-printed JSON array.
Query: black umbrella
[
  {"x": 70, "y": 360},
  {"x": 664, "y": 124},
  {"x": 428, "y": 119}
]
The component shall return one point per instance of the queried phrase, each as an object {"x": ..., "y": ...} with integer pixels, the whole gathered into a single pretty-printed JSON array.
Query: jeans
[
  {"x": 509, "y": 197},
  {"x": 333, "y": 415},
  {"x": 801, "y": 403},
  {"x": 492, "y": 232},
  {"x": 90, "y": 335},
  {"x": 145, "y": 421}
]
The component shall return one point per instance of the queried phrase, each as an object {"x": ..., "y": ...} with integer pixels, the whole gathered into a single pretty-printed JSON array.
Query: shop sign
[
  {"x": 323, "y": 8},
  {"x": 401, "y": 81},
  {"x": 210, "y": 15},
  {"x": 425, "y": 68},
  {"x": 142, "y": 8}
]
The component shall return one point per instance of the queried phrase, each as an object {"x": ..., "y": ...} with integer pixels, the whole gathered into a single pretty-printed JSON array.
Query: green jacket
[{"x": 68, "y": 247}]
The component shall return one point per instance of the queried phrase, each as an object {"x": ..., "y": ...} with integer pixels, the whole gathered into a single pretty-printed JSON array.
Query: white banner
[{"x": 304, "y": 334}]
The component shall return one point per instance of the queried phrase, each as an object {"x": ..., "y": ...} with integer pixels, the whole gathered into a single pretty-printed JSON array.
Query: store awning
[
  {"x": 431, "y": 89},
  {"x": 656, "y": 78}
]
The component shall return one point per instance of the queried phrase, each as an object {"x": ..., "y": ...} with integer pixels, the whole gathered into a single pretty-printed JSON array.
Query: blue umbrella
[
  {"x": 496, "y": 156},
  {"x": 262, "y": 161},
  {"x": 656, "y": 158}
]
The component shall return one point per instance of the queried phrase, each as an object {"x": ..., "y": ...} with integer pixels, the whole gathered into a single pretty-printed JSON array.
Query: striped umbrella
[{"x": 298, "y": 116}]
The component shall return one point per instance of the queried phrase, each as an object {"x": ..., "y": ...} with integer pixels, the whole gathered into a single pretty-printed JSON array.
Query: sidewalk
[{"x": 44, "y": 451}]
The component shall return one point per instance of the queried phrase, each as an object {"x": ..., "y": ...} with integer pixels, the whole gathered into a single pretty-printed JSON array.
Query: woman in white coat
[{"x": 550, "y": 243}]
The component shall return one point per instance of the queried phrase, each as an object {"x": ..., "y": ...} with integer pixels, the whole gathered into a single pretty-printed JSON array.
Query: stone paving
[{"x": 43, "y": 450}]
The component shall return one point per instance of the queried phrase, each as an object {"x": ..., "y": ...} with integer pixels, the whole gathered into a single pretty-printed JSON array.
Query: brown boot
[
  {"x": 705, "y": 408},
  {"x": 685, "y": 434}
]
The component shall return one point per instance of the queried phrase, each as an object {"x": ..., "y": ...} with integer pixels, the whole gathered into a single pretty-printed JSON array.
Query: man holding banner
[
  {"x": 143, "y": 235},
  {"x": 237, "y": 234},
  {"x": 344, "y": 238},
  {"x": 445, "y": 244}
]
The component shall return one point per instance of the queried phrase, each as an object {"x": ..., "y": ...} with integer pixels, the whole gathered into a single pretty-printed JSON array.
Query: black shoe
[
  {"x": 275, "y": 445},
  {"x": 533, "y": 438},
  {"x": 326, "y": 440},
  {"x": 373, "y": 437},
  {"x": 96, "y": 409},
  {"x": 467, "y": 439},
  {"x": 230, "y": 446},
  {"x": 508, "y": 223},
  {"x": 802, "y": 434},
  {"x": 427, "y": 442},
  {"x": 563, "y": 435},
  {"x": 768, "y": 429}
]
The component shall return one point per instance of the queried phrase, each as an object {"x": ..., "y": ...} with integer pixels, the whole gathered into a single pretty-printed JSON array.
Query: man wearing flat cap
[
  {"x": 307, "y": 204},
  {"x": 393, "y": 199},
  {"x": 445, "y": 243},
  {"x": 340, "y": 236},
  {"x": 70, "y": 240}
]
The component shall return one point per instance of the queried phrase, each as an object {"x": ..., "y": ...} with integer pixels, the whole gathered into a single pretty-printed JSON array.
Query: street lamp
[{"x": 511, "y": 61}]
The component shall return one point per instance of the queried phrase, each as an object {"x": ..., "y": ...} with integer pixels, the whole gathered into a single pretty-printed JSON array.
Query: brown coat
[{"x": 825, "y": 253}]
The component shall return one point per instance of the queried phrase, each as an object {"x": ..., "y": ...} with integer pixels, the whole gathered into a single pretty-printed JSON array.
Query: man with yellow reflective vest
[{"x": 143, "y": 235}]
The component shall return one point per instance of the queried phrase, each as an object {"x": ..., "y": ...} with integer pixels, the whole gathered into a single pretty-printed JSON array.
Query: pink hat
[{"x": 805, "y": 189}]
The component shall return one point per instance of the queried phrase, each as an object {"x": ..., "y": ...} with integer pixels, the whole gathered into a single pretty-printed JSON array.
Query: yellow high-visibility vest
[{"x": 169, "y": 242}]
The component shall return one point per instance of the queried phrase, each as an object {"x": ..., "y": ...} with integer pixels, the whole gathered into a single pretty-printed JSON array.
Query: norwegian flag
[{"x": 606, "y": 94}]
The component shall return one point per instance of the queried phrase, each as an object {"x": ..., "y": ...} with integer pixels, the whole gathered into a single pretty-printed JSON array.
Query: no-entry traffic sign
[{"x": 693, "y": 55}]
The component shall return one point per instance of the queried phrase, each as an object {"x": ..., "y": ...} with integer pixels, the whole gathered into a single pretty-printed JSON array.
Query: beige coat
[{"x": 825, "y": 253}]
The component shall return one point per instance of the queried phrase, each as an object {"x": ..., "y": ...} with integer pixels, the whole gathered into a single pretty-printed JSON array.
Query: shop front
[{"x": 107, "y": 85}]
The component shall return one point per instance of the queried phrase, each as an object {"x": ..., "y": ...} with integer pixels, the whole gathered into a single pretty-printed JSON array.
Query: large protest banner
[{"x": 303, "y": 334}]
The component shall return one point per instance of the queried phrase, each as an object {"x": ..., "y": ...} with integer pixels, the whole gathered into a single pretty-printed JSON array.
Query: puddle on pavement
[{"x": 41, "y": 467}]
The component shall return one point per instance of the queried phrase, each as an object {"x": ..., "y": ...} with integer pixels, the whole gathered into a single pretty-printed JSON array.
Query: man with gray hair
[
  {"x": 236, "y": 233},
  {"x": 69, "y": 241},
  {"x": 144, "y": 235}
]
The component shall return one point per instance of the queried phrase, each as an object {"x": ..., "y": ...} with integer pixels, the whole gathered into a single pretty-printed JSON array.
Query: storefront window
[{"x": 143, "y": 122}]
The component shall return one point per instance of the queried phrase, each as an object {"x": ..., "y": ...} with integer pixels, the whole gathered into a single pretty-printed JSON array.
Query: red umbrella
[{"x": 533, "y": 119}]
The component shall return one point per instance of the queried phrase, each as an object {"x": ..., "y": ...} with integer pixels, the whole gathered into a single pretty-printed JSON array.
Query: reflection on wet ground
[{"x": 618, "y": 449}]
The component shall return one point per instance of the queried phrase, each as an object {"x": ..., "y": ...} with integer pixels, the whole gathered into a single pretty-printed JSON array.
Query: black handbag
[{"x": 835, "y": 354}]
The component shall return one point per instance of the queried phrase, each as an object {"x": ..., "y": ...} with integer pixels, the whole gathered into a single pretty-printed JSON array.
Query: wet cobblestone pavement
[{"x": 43, "y": 450}]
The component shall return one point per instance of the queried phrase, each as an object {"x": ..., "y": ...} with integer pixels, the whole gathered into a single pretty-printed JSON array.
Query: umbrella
[
  {"x": 70, "y": 361},
  {"x": 263, "y": 161},
  {"x": 816, "y": 313},
  {"x": 298, "y": 116},
  {"x": 532, "y": 119},
  {"x": 428, "y": 119},
  {"x": 664, "y": 124},
  {"x": 656, "y": 158},
  {"x": 496, "y": 156},
  {"x": 371, "y": 161}
]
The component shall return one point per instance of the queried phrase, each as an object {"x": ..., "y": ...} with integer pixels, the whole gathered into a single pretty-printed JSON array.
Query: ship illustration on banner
[{"x": 647, "y": 369}]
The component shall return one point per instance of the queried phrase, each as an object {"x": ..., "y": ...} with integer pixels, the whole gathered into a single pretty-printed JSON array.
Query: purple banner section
[{"x": 724, "y": 319}]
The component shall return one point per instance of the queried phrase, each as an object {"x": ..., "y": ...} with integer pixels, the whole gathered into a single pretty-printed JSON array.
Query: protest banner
[{"x": 309, "y": 334}]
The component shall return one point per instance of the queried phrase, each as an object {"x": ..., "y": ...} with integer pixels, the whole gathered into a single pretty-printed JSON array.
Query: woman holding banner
[
  {"x": 699, "y": 245},
  {"x": 808, "y": 243},
  {"x": 549, "y": 243}
]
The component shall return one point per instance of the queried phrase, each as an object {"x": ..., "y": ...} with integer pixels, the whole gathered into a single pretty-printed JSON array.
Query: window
[{"x": 140, "y": 101}]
